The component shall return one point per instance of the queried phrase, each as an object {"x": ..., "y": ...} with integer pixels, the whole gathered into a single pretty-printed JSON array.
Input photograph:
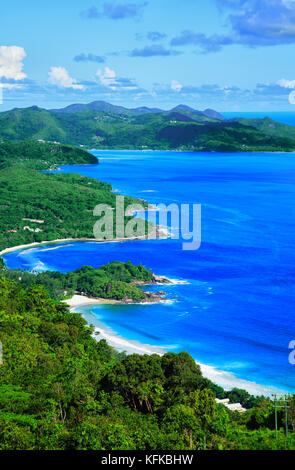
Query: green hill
[
  {"x": 63, "y": 202},
  {"x": 271, "y": 127},
  {"x": 116, "y": 280},
  {"x": 41, "y": 155},
  {"x": 104, "y": 126},
  {"x": 61, "y": 389}
]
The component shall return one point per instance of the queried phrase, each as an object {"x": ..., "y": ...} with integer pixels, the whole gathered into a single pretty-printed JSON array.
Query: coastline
[
  {"x": 217, "y": 376},
  {"x": 216, "y": 152},
  {"x": 222, "y": 378},
  {"x": 78, "y": 300},
  {"x": 161, "y": 233}
]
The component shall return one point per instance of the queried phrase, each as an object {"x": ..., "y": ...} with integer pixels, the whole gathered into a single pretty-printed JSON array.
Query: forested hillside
[
  {"x": 104, "y": 126},
  {"x": 62, "y": 389},
  {"x": 35, "y": 207},
  {"x": 41, "y": 155},
  {"x": 116, "y": 280}
]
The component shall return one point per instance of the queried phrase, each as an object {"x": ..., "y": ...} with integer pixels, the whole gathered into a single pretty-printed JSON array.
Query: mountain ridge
[
  {"x": 101, "y": 125},
  {"x": 100, "y": 105}
]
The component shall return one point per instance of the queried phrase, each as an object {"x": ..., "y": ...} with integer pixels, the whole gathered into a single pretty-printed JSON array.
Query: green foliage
[
  {"x": 63, "y": 202},
  {"x": 62, "y": 389},
  {"x": 41, "y": 155},
  {"x": 115, "y": 280},
  {"x": 107, "y": 126}
]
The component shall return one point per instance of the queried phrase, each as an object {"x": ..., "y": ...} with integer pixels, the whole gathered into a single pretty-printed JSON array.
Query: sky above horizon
[{"x": 230, "y": 55}]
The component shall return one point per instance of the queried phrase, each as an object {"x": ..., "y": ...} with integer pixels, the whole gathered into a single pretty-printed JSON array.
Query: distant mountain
[
  {"x": 183, "y": 107},
  {"x": 102, "y": 125},
  {"x": 213, "y": 114},
  {"x": 105, "y": 107}
]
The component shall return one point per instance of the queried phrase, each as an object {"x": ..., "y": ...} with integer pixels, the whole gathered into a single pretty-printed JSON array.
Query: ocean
[
  {"x": 236, "y": 314},
  {"x": 285, "y": 117}
]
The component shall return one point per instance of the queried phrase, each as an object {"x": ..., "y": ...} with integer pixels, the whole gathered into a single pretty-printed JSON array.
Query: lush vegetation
[
  {"x": 115, "y": 280},
  {"x": 105, "y": 126},
  {"x": 41, "y": 155},
  {"x": 62, "y": 389},
  {"x": 53, "y": 206}
]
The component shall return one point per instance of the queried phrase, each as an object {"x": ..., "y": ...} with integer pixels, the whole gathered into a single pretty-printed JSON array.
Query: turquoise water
[{"x": 237, "y": 312}]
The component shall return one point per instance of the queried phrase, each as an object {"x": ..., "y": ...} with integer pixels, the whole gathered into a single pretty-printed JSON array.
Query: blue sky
[{"x": 230, "y": 55}]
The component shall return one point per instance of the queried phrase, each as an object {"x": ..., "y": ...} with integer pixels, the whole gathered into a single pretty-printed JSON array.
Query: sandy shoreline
[
  {"x": 224, "y": 379},
  {"x": 80, "y": 300},
  {"x": 162, "y": 234}
]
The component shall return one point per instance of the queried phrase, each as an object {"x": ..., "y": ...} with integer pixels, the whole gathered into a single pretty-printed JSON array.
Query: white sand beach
[
  {"x": 160, "y": 233},
  {"x": 121, "y": 344},
  {"x": 79, "y": 300}
]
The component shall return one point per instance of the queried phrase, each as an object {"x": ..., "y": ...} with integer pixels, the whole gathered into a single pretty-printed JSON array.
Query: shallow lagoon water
[{"x": 237, "y": 312}]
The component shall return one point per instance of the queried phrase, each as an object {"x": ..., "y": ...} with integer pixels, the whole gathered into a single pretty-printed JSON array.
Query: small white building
[{"x": 231, "y": 406}]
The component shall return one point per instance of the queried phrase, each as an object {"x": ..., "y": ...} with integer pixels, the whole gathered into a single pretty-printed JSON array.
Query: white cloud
[
  {"x": 284, "y": 83},
  {"x": 176, "y": 86},
  {"x": 11, "y": 62},
  {"x": 107, "y": 78},
  {"x": 11, "y": 86},
  {"x": 60, "y": 77},
  {"x": 288, "y": 3}
]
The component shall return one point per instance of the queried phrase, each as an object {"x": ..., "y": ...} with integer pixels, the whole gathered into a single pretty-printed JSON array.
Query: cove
[{"x": 237, "y": 312}]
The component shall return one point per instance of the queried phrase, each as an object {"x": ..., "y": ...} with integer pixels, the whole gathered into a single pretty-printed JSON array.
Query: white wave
[
  {"x": 40, "y": 267},
  {"x": 173, "y": 281},
  {"x": 122, "y": 344},
  {"x": 149, "y": 191},
  {"x": 236, "y": 214},
  {"x": 27, "y": 252},
  {"x": 56, "y": 247},
  {"x": 229, "y": 381},
  {"x": 219, "y": 377},
  {"x": 229, "y": 222}
]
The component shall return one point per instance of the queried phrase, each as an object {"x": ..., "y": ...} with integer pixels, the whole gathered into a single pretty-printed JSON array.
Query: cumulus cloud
[
  {"x": 176, "y": 86},
  {"x": 108, "y": 78},
  {"x": 252, "y": 23},
  {"x": 11, "y": 62},
  {"x": 60, "y": 77},
  {"x": 115, "y": 11},
  {"x": 263, "y": 94},
  {"x": 89, "y": 58},
  {"x": 265, "y": 23},
  {"x": 154, "y": 50},
  {"x": 284, "y": 83}
]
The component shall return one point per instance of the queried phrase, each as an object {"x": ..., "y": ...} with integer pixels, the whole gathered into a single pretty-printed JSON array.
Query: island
[
  {"x": 117, "y": 281},
  {"x": 101, "y": 125},
  {"x": 61, "y": 387}
]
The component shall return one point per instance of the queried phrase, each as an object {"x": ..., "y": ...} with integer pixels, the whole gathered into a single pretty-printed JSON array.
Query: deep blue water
[{"x": 237, "y": 313}]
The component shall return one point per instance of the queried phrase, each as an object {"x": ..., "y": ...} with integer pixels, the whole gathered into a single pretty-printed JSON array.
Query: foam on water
[{"x": 240, "y": 293}]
